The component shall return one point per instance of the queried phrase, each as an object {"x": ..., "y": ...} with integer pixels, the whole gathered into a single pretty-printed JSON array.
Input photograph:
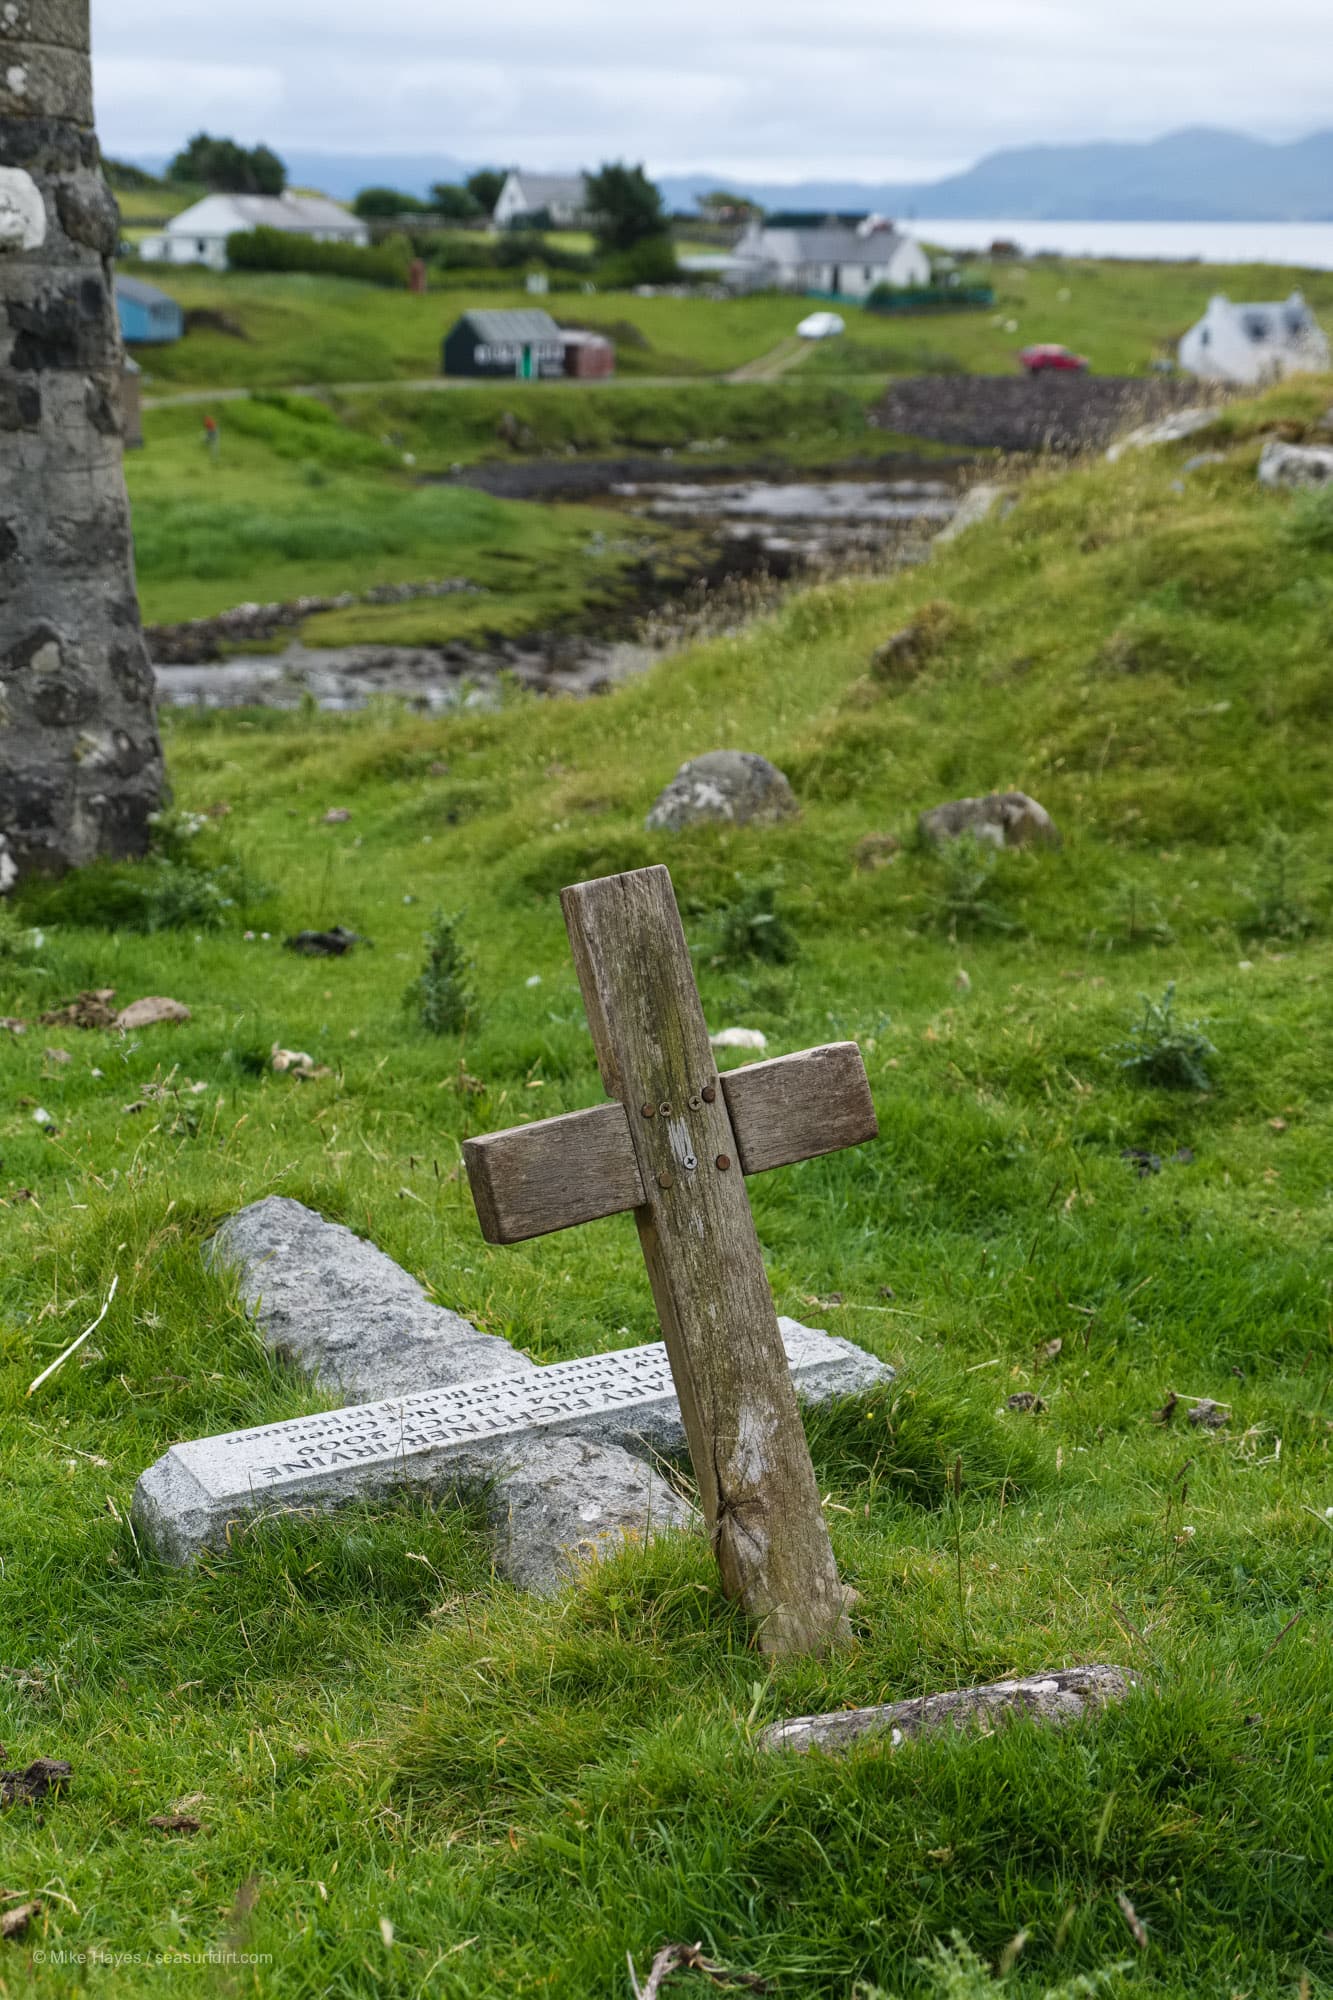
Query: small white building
[
  {"x": 564, "y": 197},
  {"x": 1254, "y": 343},
  {"x": 198, "y": 235},
  {"x": 842, "y": 256}
]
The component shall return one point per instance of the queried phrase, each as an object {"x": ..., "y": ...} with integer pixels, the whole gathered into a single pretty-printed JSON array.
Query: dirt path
[{"x": 780, "y": 360}]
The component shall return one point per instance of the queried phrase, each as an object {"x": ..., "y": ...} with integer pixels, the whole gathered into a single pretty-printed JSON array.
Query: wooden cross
[{"x": 674, "y": 1147}]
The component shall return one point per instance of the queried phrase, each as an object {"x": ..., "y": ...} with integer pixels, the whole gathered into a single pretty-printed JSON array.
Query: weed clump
[
  {"x": 1163, "y": 1051},
  {"x": 903, "y": 655},
  {"x": 1309, "y": 525},
  {"x": 441, "y": 997},
  {"x": 189, "y": 880}
]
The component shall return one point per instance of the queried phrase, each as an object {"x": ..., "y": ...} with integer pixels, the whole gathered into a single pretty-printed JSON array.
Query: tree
[
  {"x": 484, "y": 186},
  {"x": 230, "y": 169},
  {"x": 626, "y": 208},
  {"x": 378, "y": 204},
  {"x": 454, "y": 203},
  {"x": 80, "y": 760},
  {"x": 723, "y": 206}
]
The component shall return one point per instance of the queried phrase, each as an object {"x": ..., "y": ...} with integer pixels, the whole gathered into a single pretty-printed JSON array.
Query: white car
[{"x": 821, "y": 326}]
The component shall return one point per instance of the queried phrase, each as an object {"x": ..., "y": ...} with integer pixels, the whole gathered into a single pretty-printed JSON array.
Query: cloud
[{"x": 775, "y": 88}]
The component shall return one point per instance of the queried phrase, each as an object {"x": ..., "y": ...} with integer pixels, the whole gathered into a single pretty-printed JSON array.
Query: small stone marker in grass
[
  {"x": 674, "y": 1146},
  {"x": 1056, "y": 1698}
]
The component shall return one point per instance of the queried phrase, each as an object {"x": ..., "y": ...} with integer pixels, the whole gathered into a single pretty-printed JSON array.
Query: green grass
[
  {"x": 304, "y": 329},
  {"x": 384, "y": 1742},
  {"x": 297, "y": 503}
]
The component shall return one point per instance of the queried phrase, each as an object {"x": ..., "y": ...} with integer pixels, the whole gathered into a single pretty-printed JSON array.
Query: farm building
[
  {"x": 526, "y": 344},
  {"x": 589, "y": 356},
  {"x": 1254, "y": 343},
  {"x": 844, "y": 256},
  {"x": 563, "y": 197},
  {"x": 198, "y": 235},
  {"x": 148, "y": 318}
]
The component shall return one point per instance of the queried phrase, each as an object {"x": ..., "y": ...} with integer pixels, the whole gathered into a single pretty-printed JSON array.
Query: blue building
[{"x": 147, "y": 316}]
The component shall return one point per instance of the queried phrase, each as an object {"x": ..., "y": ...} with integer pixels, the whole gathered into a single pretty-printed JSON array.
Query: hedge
[{"x": 279, "y": 250}]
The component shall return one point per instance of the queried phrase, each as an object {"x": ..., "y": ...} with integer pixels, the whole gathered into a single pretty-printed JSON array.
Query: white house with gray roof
[
  {"x": 198, "y": 235},
  {"x": 845, "y": 256},
  {"x": 1254, "y": 343},
  {"x": 564, "y": 197}
]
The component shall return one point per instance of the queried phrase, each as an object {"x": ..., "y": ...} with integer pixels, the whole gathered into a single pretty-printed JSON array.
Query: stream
[{"x": 765, "y": 532}]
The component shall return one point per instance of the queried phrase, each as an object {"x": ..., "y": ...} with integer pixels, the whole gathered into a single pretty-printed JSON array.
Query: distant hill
[{"x": 1198, "y": 175}]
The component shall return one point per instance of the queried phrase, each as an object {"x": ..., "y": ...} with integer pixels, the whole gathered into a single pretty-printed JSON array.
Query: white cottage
[
  {"x": 1254, "y": 343},
  {"x": 198, "y": 235},
  {"x": 564, "y": 197},
  {"x": 848, "y": 256}
]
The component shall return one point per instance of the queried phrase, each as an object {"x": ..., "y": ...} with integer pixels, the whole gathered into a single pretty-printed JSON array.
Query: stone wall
[
  {"x": 1047, "y": 412},
  {"x": 80, "y": 761}
]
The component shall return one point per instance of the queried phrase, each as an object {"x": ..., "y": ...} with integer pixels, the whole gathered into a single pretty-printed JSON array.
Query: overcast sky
[{"x": 773, "y": 88}]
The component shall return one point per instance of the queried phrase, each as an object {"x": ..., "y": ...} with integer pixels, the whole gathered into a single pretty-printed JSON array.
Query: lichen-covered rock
[
  {"x": 731, "y": 785},
  {"x": 1295, "y": 464},
  {"x": 1054, "y": 1699},
  {"x": 1004, "y": 819}
]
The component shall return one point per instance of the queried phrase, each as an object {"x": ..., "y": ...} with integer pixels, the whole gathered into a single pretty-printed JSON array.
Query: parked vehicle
[
  {"x": 1049, "y": 354},
  {"x": 821, "y": 326}
]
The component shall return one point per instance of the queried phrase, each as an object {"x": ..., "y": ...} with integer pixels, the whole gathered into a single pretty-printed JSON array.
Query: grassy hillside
[
  {"x": 299, "y": 329},
  {"x": 297, "y": 503},
  {"x": 411, "y": 1780}
]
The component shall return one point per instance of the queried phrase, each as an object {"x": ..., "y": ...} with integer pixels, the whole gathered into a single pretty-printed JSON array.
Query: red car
[{"x": 1048, "y": 355}]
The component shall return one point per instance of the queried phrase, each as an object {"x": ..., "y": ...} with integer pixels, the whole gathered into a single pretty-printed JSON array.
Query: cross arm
[
  {"x": 796, "y": 1107},
  {"x": 560, "y": 1172}
]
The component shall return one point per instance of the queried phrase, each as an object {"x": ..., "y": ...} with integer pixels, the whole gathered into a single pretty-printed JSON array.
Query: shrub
[
  {"x": 652, "y": 262},
  {"x": 751, "y": 925},
  {"x": 440, "y": 996},
  {"x": 963, "y": 901},
  {"x": 278, "y": 250},
  {"x": 1163, "y": 1051},
  {"x": 1278, "y": 908}
]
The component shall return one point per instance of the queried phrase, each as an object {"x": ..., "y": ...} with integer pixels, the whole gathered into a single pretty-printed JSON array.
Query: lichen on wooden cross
[{"x": 674, "y": 1147}]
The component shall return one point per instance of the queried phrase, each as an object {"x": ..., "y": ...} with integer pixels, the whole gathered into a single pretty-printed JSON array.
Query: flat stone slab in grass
[
  {"x": 346, "y": 1313},
  {"x": 1055, "y": 1698},
  {"x": 474, "y": 1434}
]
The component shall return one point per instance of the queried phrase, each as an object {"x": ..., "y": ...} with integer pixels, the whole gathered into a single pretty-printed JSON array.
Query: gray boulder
[
  {"x": 346, "y": 1313},
  {"x": 1295, "y": 464},
  {"x": 730, "y": 785},
  {"x": 1005, "y": 819}
]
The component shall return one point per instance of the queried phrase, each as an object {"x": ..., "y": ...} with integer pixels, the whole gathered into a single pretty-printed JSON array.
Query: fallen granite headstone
[
  {"x": 732, "y": 785},
  {"x": 476, "y": 1436},
  {"x": 1055, "y": 1698},
  {"x": 559, "y": 1483}
]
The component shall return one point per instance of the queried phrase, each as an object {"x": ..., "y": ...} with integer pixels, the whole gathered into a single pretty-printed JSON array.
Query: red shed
[{"x": 591, "y": 356}]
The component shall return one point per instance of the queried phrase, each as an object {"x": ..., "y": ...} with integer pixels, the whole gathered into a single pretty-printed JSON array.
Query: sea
[{"x": 1306, "y": 246}]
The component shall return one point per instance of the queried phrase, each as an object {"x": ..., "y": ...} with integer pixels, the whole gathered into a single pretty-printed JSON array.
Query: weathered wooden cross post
[{"x": 674, "y": 1147}]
